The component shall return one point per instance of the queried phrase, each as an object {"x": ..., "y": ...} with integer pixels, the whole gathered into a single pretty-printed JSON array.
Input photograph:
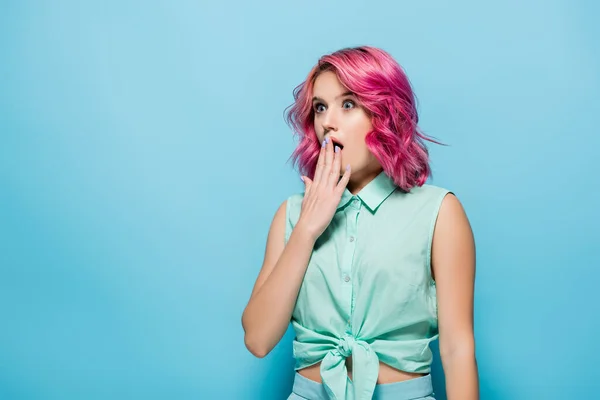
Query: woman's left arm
[{"x": 453, "y": 268}]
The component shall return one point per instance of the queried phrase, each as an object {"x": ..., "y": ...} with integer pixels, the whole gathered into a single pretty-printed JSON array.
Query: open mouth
[{"x": 336, "y": 143}]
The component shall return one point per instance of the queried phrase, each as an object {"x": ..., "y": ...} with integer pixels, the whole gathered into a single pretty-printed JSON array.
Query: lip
[{"x": 336, "y": 141}]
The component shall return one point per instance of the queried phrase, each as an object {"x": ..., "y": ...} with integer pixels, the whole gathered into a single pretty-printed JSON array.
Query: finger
[
  {"x": 334, "y": 174},
  {"x": 341, "y": 186},
  {"x": 320, "y": 162},
  {"x": 328, "y": 162}
]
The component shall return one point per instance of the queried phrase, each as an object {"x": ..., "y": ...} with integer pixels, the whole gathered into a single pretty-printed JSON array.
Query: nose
[{"x": 329, "y": 121}]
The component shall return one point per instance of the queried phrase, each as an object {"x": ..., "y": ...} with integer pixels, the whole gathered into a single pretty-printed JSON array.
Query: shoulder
[
  {"x": 294, "y": 201},
  {"x": 445, "y": 199},
  {"x": 448, "y": 201},
  {"x": 452, "y": 211},
  {"x": 428, "y": 190},
  {"x": 426, "y": 194},
  {"x": 452, "y": 220},
  {"x": 295, "y": 197},
  {"x": 292, "y": 206},
  {"x": 287, "y": 206}
]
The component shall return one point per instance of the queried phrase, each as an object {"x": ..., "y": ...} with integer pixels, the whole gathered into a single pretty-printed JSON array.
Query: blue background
[{"x": 144, "y": 153}]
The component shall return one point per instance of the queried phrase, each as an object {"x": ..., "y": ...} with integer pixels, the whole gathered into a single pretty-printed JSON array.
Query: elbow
[
  {"x": 464, "y": 348},
  {"x": 255, "y": 339},
  {"x": 257, "y": 349},
  {"x": 252, "y": 343}
]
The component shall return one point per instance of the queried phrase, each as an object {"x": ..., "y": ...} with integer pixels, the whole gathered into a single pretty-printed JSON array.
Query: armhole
[{"x": 436, "y": 211}]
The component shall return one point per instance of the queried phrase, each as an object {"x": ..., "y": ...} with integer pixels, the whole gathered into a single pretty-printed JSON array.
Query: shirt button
[
  {"x": 352, "y": 238},
  {"x": 346, "y": 278}
]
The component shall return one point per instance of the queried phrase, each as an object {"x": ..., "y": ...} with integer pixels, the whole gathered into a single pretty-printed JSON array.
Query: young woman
[{"x": 370, "y": 264}]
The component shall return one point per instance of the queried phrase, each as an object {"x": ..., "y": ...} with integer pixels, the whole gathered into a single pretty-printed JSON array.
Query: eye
[
  {"x": 319, "y": 108},
  {"x": 348, "y": 102}
]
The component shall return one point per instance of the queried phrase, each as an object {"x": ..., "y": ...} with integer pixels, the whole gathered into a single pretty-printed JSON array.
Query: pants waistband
[{"x": 414, "y": 388}]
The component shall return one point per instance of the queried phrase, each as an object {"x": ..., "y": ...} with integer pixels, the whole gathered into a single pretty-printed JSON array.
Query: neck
[{"x": 361, "y": 179}]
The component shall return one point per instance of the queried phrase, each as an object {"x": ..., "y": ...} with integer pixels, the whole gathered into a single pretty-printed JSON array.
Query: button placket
[
  {"x": 352, "y": 217},
  {"x": 352, "y": 212}
]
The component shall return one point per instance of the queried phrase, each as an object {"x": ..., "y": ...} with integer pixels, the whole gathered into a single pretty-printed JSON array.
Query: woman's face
[{"x": 339, "y": 117}]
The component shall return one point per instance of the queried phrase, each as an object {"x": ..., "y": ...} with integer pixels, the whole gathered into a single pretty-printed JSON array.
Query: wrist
[{"x": 305, "y": 232}]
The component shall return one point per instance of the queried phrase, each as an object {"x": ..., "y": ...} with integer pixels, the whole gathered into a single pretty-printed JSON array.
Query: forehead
[{"x": 327, "y": 85}]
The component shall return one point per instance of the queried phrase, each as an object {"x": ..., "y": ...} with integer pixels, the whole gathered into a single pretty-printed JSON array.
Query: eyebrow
[{"x": 337, "y": 97}]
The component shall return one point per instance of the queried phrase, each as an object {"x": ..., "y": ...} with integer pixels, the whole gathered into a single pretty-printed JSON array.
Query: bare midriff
[{"x": 387, "y": 374}]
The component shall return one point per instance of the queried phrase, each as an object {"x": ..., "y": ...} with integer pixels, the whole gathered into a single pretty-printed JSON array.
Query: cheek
[
  {"x": 318, "y": 132},
  {"x": 358, "y": 133},
  {"x": 357, "y": 150},
  {"x": 360, "y": 124}
]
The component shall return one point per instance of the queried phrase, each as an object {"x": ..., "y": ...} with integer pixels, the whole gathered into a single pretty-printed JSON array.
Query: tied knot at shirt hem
[
  {"x": 365, "y": 369},
  {"x": 346, "y": 345}
]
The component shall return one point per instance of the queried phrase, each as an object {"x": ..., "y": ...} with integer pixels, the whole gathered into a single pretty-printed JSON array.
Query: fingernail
[
  {"x": 302, "y": 178},
  {"x": 348, "y": 167},
  {"x": 327, "y": 139},
  {"x": 337, "y": 148},
  {"x": 324, "y": 142}
]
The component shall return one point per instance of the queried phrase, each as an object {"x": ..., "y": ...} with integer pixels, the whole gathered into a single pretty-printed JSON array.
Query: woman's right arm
[
  {"x": 269, "y": 310},
  {"x": 274, "y": 295}
]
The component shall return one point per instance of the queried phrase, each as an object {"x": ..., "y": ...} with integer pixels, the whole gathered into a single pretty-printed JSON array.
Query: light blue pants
[{"x": 413, "y": 389}]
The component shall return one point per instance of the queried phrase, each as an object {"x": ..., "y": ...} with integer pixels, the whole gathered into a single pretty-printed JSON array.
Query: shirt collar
[{"x": 373, "y": 194}]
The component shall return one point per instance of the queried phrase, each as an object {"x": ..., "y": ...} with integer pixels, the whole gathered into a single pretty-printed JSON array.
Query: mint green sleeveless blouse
[{"x": 368, "y": 291}]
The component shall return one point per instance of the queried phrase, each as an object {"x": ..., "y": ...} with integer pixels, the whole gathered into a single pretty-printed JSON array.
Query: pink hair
[{"x": 384, "y": 90}]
